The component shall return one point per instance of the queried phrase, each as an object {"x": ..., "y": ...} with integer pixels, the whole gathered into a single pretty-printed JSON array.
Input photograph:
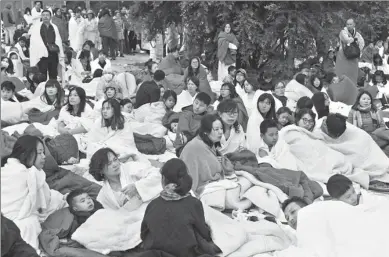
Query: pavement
[{"x": 122, "y": 64}]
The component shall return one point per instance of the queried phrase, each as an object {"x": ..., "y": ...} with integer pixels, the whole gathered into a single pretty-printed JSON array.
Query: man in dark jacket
[
  {"x": 12, "y": 244},
  {"x": 9, "y": 24}
]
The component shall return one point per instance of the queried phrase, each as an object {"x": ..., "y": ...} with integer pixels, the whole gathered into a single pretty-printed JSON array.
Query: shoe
[
  {"x": 121, "y": 55},
  {"x": 379, "y": 186}
]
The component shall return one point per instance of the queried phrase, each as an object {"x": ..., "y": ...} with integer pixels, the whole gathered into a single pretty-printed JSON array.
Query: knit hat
[
  {"x": 243, "y": 71},
  {"x": 90, "y": 12},
  {"x": 112, "y": 84},
  {"x": 170, "y": 118}
]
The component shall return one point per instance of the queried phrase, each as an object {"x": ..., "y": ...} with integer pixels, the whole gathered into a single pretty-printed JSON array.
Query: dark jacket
[
  {"x": 7, "y": 17},
  {"x": 178, "y": 228},
  {"x": 12, "y": 244}
]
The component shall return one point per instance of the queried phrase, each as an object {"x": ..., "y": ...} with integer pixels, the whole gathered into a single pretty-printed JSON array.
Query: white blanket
[
  {"x": 360, "y": 150},
  {"x": 38, "y": 48},
  {"x": 311, "y": 155},
  {"x": 24, "y": 191},
  {"x": 149, "y": 119},
  {"x": 12, "y": 112}
]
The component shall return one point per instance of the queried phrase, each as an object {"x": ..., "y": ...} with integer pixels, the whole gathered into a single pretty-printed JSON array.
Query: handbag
[
  {"x": 53, "y": 48},
  {"x": 352, "y": 51}
]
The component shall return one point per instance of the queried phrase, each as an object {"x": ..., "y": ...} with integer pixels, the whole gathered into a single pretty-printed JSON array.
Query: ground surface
[{"x": 129, "y": 61}]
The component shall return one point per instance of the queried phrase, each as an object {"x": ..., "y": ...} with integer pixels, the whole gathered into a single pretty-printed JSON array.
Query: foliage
[{"x": 271, "y": 34}]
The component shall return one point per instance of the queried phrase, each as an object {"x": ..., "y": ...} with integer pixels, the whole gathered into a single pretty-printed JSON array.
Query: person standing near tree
[
  {"x": 108, "y": 33},
  {"x": 226, "y": 51},
  {"x": 9, "y": 24},
  {"x": 36, "y": 12},
  {"x": 46, "y": 49},
  {"x": 343, "y": 65}
]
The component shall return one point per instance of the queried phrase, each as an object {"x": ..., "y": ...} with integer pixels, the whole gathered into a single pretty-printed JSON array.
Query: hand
[
  {"x": 130, "y": 190},
  {"x": 127, "y": 157},
  {"x": 262, "y": 153},
  {"x": 219, "y": 159},
  {"x": 72, "y": 160},
  {"x": 241, "y": 148},
  {"x": 238, "y": 165},
  {"x": 64, "y": 131}
]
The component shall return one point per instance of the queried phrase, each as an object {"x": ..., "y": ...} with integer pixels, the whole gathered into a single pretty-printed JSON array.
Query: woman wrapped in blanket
[
  {"x": 27, "y": 199},
  {"x": 76, "y": 117},
  {"x": 48, "y": 105},
  {"x": 209, "y": 169},
  {"x": 227, "y": 91},
  {"x": 125, "y": 185},
  {"x": 233, "y": 138},
  {"x": 110, "y": 130}
]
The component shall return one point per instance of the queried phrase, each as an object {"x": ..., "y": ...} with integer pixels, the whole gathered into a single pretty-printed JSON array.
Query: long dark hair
[
  {"x": 175, "y": 171},
  {"x": 271, "y": 114},
  {"x": 117, "y": 120},
  {"x": 149, "y": 64},
  {"x": 361, "y": 93},
  {"x": 27, "y": 10},
  {"x": 60, "y": 93},
  {"x": 85, "y": 54},
  {"x": 227, "y": 106},
  {"x": 81, "y": 107},
  {"x": 206, "y": 128},
  {"x": 232, "y": 90},
  {"x": 10, "y": 68},
  {"x": 195, "y": 80},
  {"x": 98, "y": 162},
  {"x": 191, "y": 72},
  {"x": 24, "y": 150},
  {"x": 379, "y": 73},
  {"x": 318, "y": 100}
]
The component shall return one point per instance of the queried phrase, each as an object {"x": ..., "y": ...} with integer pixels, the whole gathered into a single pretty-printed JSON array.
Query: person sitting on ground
[
  {"x": 11, "y": 109},
  {"x": 231, "y": 75},
  {"x": 190, "y": 120},
  {"x": 170, "y": 64},
  {"x": 127, "y": 108},
  {"x": 12, "y": 244},
  {"x": 102, "y": 62},
  {"x": 174, "y": 223},
  {"x": 291, "y": 207},
  {"x": 55, "y": 238},
  {"x": 284, "y": 117},
  {"x": 150, "y": 91},
  {"x": 341, "y": 89}
]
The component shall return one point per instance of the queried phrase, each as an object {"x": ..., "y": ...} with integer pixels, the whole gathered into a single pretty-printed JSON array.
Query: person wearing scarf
[
  {"x": 344, "y": 66},
  {"x": 365, "y": 116},
  {"x": 174, "y": 223},
  {"x": 226, "y": 51},
  {"x": 196, "y": 69}
]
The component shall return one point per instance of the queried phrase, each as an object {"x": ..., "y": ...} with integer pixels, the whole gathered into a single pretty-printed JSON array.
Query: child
[
  {"x": 169, "y": 98},
  {"x": 174, "y": 223},
  {"x": 189, "y": 121},
  {"x": 341, "y": 188},
  {"x": 60, "y": 225},
  {"x": 231, "y": 75},
  {"x": 284, "y": 117},
  {"x": 127, "y": 108},
  {"x": 8, "y": 91},
  {"x": 269, "y": 136}
]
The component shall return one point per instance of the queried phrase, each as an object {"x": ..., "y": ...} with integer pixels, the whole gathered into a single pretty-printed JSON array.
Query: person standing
[
  {"x": 9, "y": 24},
  {"x": 36, "y": 12},
  {"x": 344, "y": 66},
  {"x": 61, "y": 24},
  {"x": 108, "y": 33},
  {"x": 120, "y": 31},
  {"x": 46, "y": 49},
  {"x": 76, "y": 31},
  {"x": 91, "y": 29},
  {"x": 226, "y": 51}
]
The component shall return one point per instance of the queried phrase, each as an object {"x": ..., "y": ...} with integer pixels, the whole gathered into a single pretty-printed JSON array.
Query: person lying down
[{"x": 60, "y": 225}]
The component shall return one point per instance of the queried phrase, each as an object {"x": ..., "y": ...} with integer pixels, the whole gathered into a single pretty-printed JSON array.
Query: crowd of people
[{"x": 173, "y": 163}]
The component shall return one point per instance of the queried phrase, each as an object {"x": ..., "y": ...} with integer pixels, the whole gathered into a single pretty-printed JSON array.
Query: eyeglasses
[
  {"x": 308, "y": 121},
  {"x": 217, "y": 129}
]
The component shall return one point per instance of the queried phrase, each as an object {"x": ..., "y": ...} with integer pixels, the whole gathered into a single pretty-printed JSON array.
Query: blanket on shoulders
[
  {"x": 107, "y": 27},
  {"x": 224, "y": 53},
  {"x": 311, "y": 155},
  {"x": 359, "y": 149}
]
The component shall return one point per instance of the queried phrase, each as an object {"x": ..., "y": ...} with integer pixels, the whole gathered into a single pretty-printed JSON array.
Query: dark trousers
[
  {"x": 49, "y": 64},
  {"x": 109, "y": 46},
  {"x": 132, "y": 40},
  {"x": 126, "y": 48}
]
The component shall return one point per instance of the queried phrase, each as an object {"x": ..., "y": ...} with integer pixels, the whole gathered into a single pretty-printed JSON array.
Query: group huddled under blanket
[
  {"x": 300, "y": 149},
  {"x": 359, "y": 149}
]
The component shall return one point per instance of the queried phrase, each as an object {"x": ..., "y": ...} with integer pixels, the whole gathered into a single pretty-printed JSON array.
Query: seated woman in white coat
[
  {"x": 102, "y": 62},
  {"x": 81, "y": 67},
  {"x": 126, "y": 185},
  {"x": 76, "y": 117},
  {"x": 187, "y": 96},
  {"x": 26, "y": 198},
  {"x": 111, "y": 131},
  {"x": 233, "y": 138}
]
